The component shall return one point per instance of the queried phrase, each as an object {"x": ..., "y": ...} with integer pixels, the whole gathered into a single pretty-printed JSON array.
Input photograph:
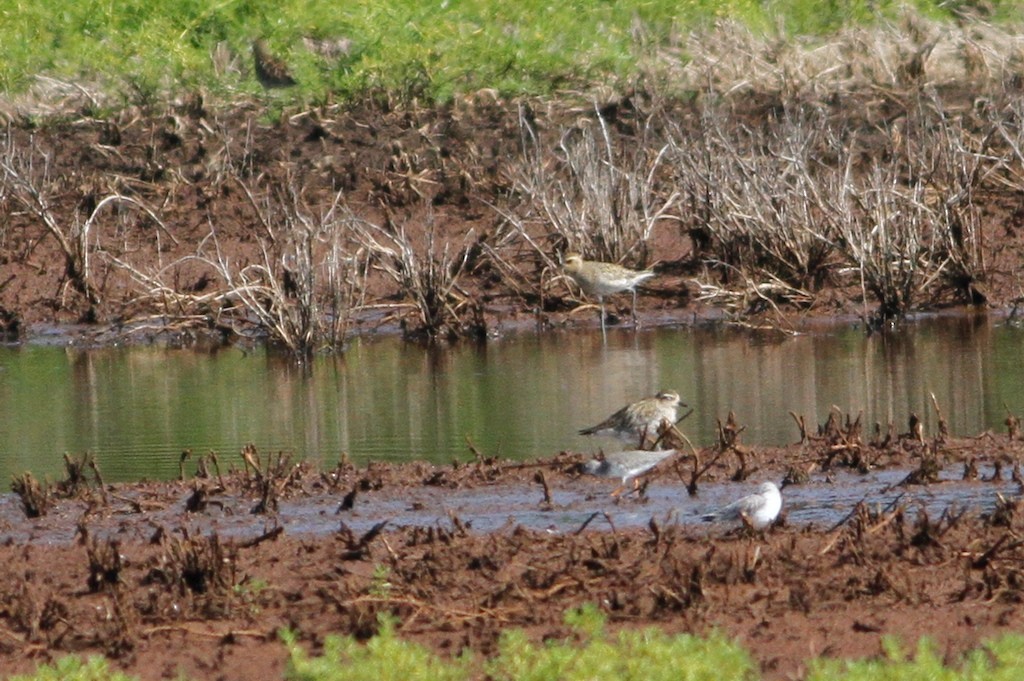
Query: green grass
[
  {"x": 143, "y": 50},
  {"x": 641, "y": 655},
  {"x": 998, "y": 660},
  {"x": 74, "y": 669},
  {"x": 385, "y": 657},
  {"x": 647, "y": 654}
]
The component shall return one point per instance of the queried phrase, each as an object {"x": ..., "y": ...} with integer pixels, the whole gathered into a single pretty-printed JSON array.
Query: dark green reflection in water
[{"x": 521, "y": 397}]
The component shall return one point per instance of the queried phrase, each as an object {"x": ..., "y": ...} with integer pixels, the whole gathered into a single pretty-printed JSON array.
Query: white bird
[
  {"x": 628, "y": 465},
  {"x": 758, "y": 510}
]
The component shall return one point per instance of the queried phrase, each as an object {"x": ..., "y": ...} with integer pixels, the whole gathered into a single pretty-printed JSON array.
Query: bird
[
  {"x": 600, "y": 279},
  {"x": 757, "y": 510},
  {"x": 628, "y": 465},
  {"x": 270, "y": 71},
  {"x": 643, "y": 420}
]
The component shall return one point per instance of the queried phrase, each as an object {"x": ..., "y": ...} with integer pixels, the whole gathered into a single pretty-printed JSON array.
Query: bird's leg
[
  {"x": 635, "y": 325},
  {"x": 644, "y": 440},
  {"x": 601, "y": 300}
]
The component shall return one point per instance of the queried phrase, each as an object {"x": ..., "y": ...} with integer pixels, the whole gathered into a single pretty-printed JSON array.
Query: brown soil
[
  {"x": 215, "y": 177},
  {"x": 181, "y": 577},
  {"x": 188, "y": 577}
]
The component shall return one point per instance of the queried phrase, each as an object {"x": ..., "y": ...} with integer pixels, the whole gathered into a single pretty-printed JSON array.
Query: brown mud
[
  {"x": 217, "y": 180},
  {"x": 907, "y": 535},
  {"x": 184, "y": 577}
]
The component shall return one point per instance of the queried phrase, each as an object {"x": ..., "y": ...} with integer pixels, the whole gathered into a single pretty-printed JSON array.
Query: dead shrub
[
  {"x": 757, "y": 217},
  {"x": 105, "y": 564},
  {"x": 269, "y": 478},
  {"x": 602, "y": 194},
  {"x": 1004, "y": 513},
  {"x": 76, "y": 480},
  {"x": 427, "y": 274},
  {"x": 200, "y": 569},
  {"x": 301, "y": 289},
  {"x": 35, "y": 496}
]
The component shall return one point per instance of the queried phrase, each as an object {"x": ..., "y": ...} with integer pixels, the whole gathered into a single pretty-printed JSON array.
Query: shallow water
[
  {"x": 519, "y": 397},
  {"x": 821, "y": 503}
]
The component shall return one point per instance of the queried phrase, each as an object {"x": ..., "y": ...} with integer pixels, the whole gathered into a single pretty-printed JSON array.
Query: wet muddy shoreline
[
  {"x": 905, "y": 538},
  {"x": 904, "y": 533}
]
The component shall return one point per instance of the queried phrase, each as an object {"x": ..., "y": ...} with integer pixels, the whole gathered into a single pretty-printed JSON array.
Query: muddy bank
[
  {"x": 204, "y": 226},
  {"x": 910, "y": 537}
]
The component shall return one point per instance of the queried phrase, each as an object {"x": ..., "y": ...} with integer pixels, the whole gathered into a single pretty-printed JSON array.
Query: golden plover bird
[
  {"x": 757, "y": 511},
  {"x": 270, "y": 71},
  {"x": 628, "y": 465},
  {"x": 600, "y": 279},
  {"x": 643, "y": 420}
]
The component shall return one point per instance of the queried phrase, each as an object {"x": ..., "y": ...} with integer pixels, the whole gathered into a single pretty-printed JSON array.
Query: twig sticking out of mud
[
  {"x": 272, "y": 533},
  {"x": 729, "y": 440},
  {"x": 864, "y": 522},
  {"x": 970, "y": 470},
  {"x": 943, "y": 426},
  {"x": 475, "y": 451},
  {"x": 983, "y": 561},
  {"x": 842, "y": 437},
  {"x": 461, "y": 528},
  {"x": 358, "y": 549},
  {"x": 879, "y": 442},
  {"x": 74, "y": 475},
  {"x": 197, "y": 565},
  {"x": 926, "y": 473},
  {"x": 699, "y": 470},
  {"x": 105, "y": 564},
  {"x": 334, "y": 478},
  {"x": 185, "y": 455},
  {"x": 270, "y": 479},
  {"x": 927, "y": 533},
  {"x": 593, "y": 515},
  {"x": 203, "y": 467},
  {"x": 801, "y": 425},
  {"x": 916, "y": 428},
  {"x": 1012, "y": 424},
  {"x": 35, "y": 497},
  {"x": 1004, "y": 513},
  {"x": 543, "y": 480},
  {"x": 200, "y": 498},
  {"x": 348, "y": 502}
]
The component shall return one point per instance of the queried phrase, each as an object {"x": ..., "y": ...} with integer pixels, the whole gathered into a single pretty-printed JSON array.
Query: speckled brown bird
[
  {"x": 270, "y": 71},
  {"x": 642, "y": 420},
  {"x": 600, "y": 279}
]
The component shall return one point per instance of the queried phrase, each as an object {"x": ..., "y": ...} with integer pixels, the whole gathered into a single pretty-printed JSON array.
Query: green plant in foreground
[
  {"x": 999, "y": 660},
  {"x": 632, "y": 654},
  {"x": 74, "y": 669},
  {"x": 384, "y": 657},
  {"x": 645, "y": 655}
]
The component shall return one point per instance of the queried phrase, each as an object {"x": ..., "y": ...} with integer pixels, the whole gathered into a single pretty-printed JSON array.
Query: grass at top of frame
[{"x": 142, "y": 51}]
